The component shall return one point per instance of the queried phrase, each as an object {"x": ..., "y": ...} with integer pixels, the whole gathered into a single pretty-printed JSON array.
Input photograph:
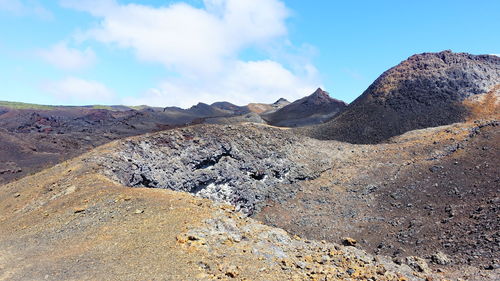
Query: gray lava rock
[
  {"x": 440, "y": 258},
  {"x": 223, "y": 163},
  {"x": 418, "y": 264}
]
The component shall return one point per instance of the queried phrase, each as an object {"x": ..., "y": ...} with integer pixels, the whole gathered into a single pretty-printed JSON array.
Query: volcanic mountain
[
  {"x": 426, "y": 90},
  {"x": 246, "y": 201},
  {"x": 313, "y": 109}
]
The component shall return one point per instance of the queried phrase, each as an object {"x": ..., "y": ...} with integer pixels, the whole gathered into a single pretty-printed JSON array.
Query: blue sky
[{"x": 182, "y": 52}]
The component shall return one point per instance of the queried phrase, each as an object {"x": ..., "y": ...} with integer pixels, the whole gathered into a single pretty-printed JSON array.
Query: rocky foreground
[
  {"x": 81, "y": 220},
  {"x": 71, "y": 223}
]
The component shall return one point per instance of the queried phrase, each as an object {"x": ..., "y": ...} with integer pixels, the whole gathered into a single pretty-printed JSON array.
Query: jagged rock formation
[
  {"x": 313, "y": 109},
  {"x": 426, "y": 90},
  {"x": 240, "y": 165}
]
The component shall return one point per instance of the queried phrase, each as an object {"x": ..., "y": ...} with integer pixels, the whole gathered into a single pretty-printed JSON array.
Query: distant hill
[
  {"x": 313, "y": 109},
  {"x": 262, "y": 108},
  {"x": 426, "y": 90}
]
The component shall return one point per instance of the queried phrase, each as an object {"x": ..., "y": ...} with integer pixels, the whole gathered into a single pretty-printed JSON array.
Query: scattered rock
[
  {"x": 418, "y": 264},
  {"x": 79, "y": 209},
  {"x": 230, "y": 270},
  {"x": 495, "y": 264},
  {"x": 348, "y": 241},
  {"x": 440, "y": 258}
]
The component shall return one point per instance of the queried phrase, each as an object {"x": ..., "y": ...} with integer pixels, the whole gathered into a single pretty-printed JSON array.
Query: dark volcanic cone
[
  {"x": 426, "y": 90},
  {"x": 313, "y": 109}
]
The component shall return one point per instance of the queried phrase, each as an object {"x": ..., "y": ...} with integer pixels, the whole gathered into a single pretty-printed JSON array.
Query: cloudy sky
[{"x": 179, "y": 53}]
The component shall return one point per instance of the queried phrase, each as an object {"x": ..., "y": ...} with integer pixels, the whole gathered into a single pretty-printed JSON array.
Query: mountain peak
[
  {"x": 319, "y": 91},
  {"x": 318, "y": 97},
  {"x": 281, "y": 101},
  {"x": 313, "y": 109}
]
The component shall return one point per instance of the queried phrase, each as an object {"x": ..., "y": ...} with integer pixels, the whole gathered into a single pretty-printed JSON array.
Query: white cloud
[
  {"x": 183, "y": 37},
  {"x": 64, "y": 57},
  {"x": 498, "y": 55},
  {"x": 202, "y": 46},
  {"x": 11, "y": 5},
  {"x": 26, "y": 8},
  {"x": 72, "y": 90},
  {"x": 242, "y": 83}
]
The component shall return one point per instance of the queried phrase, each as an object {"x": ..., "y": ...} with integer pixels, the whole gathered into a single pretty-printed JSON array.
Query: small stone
[
  {"x": 232, "y": 271},
  {"x": 397, "y": 260},
  {"x": 418, "y": 264},
  {"x": 492, "y": 266},
  {"x": 301, "y": 264},
  {"x": 17, "y": 195},
  {"x": 440, "y": 258},
  {"x": 201, "y": 276},
  {"x": 348, "y": 241},
  {"x": 138, "y": 211},
  {"x": 182, "y": 238},
  {"x": 351, "y": 271},
  {"x": 434, "y": 169},
  {"x": 325, "y": 259},
  {"x": 79, "y": 209}
]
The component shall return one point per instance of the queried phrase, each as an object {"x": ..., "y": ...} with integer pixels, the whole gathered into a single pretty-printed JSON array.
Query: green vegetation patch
[{"x": 22, "y": 105}]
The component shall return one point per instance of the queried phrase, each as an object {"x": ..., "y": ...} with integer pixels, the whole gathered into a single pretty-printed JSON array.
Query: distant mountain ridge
[{"x": 34, "y": 136}]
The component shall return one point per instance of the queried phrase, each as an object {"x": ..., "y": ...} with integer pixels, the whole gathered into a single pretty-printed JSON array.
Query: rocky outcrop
[
  {"x": 241, "y": 165},
  {"x": 426, "y": 90},
  {"x": 313, "y": 109}
]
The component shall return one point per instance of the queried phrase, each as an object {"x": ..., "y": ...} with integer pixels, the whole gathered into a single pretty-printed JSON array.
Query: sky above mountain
[{"x": 179, "y": 53}]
